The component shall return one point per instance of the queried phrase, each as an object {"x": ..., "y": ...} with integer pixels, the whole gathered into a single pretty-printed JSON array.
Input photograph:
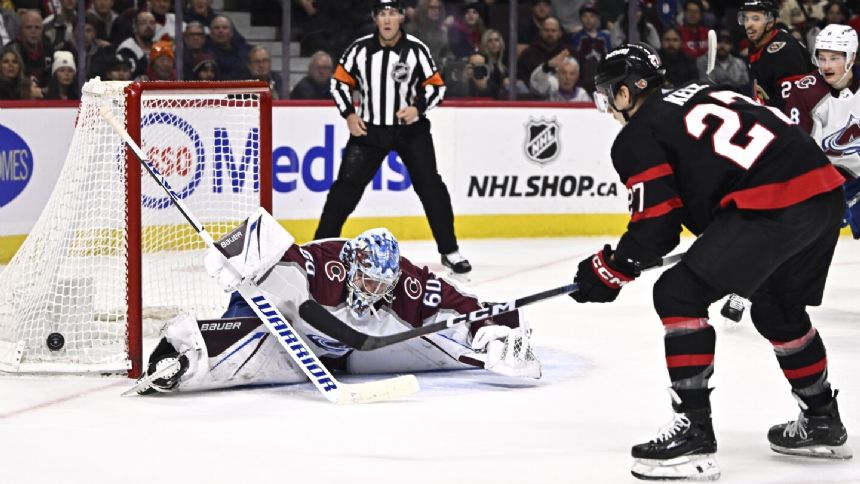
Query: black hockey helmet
[
  {"x": 380, "y": 5},
  {"x": 758, "y": 6},
  {"x": 635, "y": 65}
]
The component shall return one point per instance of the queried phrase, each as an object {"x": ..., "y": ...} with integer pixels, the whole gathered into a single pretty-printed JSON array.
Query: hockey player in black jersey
[
  {"x": 766, "y": 204},
  {"x": 775, "y": 57}
]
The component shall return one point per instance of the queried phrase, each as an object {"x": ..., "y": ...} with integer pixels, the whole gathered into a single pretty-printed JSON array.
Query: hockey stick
[
  {"x": 276, "y": 323},
  {"x": 712, "y": 53},
  {"x": 318, "y": 317}
]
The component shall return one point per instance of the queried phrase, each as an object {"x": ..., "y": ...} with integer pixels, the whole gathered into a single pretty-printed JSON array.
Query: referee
[{"x": 398, "y": 82}]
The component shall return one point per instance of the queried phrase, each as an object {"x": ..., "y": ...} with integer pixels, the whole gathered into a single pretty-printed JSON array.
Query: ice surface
[{"x": 603, "y": 391}]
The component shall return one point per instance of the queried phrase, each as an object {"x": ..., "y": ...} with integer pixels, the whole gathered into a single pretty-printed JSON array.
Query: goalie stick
[
  {"x": 318, "y": 317},
  {"x": 274, "y": 321}
]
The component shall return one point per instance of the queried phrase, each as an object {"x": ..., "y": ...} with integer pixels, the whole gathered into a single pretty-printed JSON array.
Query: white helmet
[{"x": 838, "y": 38}]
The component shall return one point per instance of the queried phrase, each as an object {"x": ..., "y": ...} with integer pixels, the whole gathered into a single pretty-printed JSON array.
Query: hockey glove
[
  {"x": 505, "y": 351},
  {"x": 600, "y": 278}
]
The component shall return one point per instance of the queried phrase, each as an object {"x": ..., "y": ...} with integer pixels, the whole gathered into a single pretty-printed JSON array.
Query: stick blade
[
  {"x": 378, "y": 391},
  {"x": 712, "y": 52}
]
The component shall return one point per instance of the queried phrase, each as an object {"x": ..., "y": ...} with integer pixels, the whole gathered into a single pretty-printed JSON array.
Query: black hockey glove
[{"x": 600, "y": 278}]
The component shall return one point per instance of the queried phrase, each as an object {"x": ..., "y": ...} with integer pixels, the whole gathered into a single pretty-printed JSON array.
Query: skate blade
[
  {"x": 699, "y": 467},
  {"x": 817, "y": 451}
]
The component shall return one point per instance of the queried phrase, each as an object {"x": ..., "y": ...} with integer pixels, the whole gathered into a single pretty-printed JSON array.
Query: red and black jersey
[
  {"x": 687, "y": 154},
  {"x": 780, "y": 60}
]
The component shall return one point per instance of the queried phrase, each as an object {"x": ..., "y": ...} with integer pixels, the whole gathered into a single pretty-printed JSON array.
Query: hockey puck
[{"x": 55, "y": 341}]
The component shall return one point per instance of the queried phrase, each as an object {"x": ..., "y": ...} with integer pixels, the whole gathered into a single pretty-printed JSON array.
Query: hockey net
[{"x": 109, "y": 249}]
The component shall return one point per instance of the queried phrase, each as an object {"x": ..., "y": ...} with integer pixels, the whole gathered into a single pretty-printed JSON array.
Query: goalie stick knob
[{"x": 55, "y": 341}]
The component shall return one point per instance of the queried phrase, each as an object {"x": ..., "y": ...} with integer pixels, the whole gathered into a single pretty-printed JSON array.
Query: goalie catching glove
[
  {"x": 600, "y": 277},
  {"x": 505, "y": 351},
  {"x": 252, "y": 249}
]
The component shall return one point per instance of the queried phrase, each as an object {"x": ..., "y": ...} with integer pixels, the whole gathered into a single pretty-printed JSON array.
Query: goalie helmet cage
[{"x": 110, "y": 250}]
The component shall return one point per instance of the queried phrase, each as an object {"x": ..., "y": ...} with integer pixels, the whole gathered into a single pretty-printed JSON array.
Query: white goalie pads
[
  {"x": 506, "y": 351},
  {"x": 252, "y": 249}
]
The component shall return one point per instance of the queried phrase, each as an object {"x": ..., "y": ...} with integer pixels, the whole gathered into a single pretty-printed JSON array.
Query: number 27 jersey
[{"x": 689, "y": 153}]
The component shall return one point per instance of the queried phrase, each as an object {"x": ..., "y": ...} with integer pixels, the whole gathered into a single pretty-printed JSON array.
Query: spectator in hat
[
  {"x": 464, "y": 37},
  {"x": 119, "y": 69},
  {"x": 63, "y": 84},
  {"x": 204, "y": 67},
  {"x": 162, "y": 62},
  {"x": 590, "y": 45},
  {"x": 728, "y": 70},
  {"x": 694, "y": 35},
  {"x": 528, "y": 30},
  {"x": 316, "y": 85}
]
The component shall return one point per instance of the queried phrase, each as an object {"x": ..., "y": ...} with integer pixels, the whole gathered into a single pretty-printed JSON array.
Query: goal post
[{"x": 110, "y": 251}]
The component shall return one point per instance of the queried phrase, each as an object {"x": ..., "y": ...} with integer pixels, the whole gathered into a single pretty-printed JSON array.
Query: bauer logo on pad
[
  {"x": 542, "y": 143},
  {"x": 16, "y": 165}
]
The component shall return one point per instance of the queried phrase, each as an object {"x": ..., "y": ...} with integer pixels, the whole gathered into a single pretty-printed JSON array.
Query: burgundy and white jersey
[
  {"x": 314, "y": 271},
  {"x": 832, "y": 117}
]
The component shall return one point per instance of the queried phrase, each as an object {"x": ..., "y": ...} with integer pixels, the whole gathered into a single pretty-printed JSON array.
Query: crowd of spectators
[
  {"x": 559, "y": 42},
  {"x": 123, "y": 40}
]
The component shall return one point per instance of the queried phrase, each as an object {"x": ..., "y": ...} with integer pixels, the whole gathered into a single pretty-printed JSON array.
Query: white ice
[{"x": 603, "y": 391}]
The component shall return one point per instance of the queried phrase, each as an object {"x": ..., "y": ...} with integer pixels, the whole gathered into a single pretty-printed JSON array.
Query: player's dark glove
[{"x": 600, "y": 278}]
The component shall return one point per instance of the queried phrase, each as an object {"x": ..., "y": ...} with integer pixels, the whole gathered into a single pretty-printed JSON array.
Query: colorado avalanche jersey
[
  {"x": 689, "y": 153},
  {"x": 314, "y": 271},
  {"x": 832, "y": 117}
]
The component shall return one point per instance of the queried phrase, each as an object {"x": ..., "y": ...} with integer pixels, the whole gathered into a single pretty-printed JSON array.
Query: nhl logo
[
  {"x": 542, "y": 140},
  {"x": 400, "y": 72}
]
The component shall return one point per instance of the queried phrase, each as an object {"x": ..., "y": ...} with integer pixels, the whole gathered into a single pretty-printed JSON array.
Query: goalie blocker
[{"x": 363, "y": 281}]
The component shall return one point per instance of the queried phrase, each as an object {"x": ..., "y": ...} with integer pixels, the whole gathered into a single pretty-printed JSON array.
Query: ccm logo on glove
[{"x": 609, "y": 277}]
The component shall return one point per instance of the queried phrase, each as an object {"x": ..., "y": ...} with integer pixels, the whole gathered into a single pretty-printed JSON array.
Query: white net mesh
[{"x": 70, "y": 276}]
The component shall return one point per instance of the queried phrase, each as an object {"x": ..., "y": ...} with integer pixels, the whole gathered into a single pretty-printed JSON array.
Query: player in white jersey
[
  {"x": 826, "y": 104},
  {"x": 365, "y": 282}
]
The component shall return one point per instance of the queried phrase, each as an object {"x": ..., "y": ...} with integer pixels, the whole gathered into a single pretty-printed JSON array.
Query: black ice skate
[
  {"x": 456, "y": 262},
  {"x": 683, "y": 449},
  {"x": 816, "y": 433}
]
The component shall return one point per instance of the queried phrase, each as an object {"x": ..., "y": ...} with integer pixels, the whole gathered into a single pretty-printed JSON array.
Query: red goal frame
[{"x": 133, "y": 95}]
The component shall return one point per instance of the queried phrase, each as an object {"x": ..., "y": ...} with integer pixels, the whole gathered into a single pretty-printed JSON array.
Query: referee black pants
[{"x": 361, "y": 160}]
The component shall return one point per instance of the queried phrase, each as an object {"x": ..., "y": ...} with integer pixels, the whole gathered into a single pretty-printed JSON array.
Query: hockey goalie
[{"x": 363, "y": 281}]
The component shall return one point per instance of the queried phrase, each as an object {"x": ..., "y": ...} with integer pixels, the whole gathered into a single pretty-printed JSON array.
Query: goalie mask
[{"x": 373, "y": 268}]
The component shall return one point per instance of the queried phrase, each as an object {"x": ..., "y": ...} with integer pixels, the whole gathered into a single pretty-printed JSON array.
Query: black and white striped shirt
[{"x": 387, "y": 78}]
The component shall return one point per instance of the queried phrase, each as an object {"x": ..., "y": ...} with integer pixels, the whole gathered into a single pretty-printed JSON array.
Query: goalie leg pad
[{"x": 694, "y": 467}]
